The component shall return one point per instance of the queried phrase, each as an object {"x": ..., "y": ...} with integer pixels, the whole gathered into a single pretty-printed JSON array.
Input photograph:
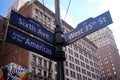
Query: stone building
[{"x": 81, "y": 59}]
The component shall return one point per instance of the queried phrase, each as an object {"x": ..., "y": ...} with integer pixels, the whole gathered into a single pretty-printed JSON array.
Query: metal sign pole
[{"x": 59, "y": 43}]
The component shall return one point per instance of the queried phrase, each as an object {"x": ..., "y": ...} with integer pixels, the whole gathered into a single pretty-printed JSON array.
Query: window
[
  {"x": 34, "y": 59},
  {"x": 82, "y": 64},
  {"x": 113, "y": 68},
  {"x": 111, "y": 60},
  {"x": 67, "y": 72},
  {"x": 78, "y": 69},
  {"x": 39, "y": 72},
  {"x": 84, "y": 78},
  {"x": 70, "y": 51},
  {"x": 93, "y": 76},
  {"x": 92, "y": 69},
  {"x": 79, "y": 77},
  {"x": 33, "y": 70},
  {"x": 72, "y": 74},
  {"x": 71, "y": 58},
  {"x": 72, "y": 66},
  {"x": 75, "y": 47},
  {"x": 67, "y": 78},
  {"x": 40, "y": 61},
  {"x": 103, "y": 72},
  {"x": 45, "y": 63},
  {"x": 36, "y": 17},
  {"x": 77, "y": 61},
  {"x": 36, "y": 10},
  {"x": 85, "y": 54},
  {"x": 112, "y": 64},
  {"x": 114, "y": 72},
  {"x": 82, "y": 58},
  {"x": 89, "y": 73},
  {"x": 86, "y": 60},
  {"x": 90, "y": 57},
  {"x": 87, "y": 67},
  {"x": 91, "y": 63},
  {"x": 110, "y": 74},
  {"x": 76, "y": 54},
  {"x": 45, "y": 73},
  {"x": 106, "y": 62},
  {"x": 96, "y": 65},
  {"x": 66, "y": 63},
  {"x": 89, "y": 79},
  {"x": 115, "y": 76},
  {"x": 83, "y": 71}
]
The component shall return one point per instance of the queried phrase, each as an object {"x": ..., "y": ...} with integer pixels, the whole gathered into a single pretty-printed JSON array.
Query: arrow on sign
[{"x": 89, "y": 26}]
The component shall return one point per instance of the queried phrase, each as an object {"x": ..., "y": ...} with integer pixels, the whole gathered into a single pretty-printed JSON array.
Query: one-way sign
[{"x": 88, "y": 26}]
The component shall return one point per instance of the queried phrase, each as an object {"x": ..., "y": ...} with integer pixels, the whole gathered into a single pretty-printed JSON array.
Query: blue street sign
[
  {"x": 85, "y": 22},
  {"x": 88, "y": 26},
  {"x": 18, "y": 38},
  {"x": 31, "y": 26}
]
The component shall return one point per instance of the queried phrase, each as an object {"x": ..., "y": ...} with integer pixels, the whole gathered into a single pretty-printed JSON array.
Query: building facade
[
  {"x": 17, "y": 4},
  {"x": 81, "y": 58},
  {"x": 107, "y": 53}
]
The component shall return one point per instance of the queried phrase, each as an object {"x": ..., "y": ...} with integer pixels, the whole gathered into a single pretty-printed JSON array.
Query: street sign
[
  {"x": 31, "y": 26},
  {"x": 16, "y": 37},
  {"x": 85, "y": 22},
  {"x": 88, "y": 26}
]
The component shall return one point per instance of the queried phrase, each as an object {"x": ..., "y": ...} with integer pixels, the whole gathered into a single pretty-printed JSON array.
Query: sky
[{"x": 81, "y": 10}]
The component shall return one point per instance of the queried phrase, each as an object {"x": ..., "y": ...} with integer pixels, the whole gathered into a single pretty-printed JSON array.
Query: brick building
[{"x": 107, "y": 53}]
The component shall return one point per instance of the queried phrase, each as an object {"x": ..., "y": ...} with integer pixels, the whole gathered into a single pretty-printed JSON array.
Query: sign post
[{"x": 59, "y": 43}]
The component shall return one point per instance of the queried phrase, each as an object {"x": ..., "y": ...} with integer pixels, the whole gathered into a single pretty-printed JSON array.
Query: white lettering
[
  {"x": 88, "y": 27},
  {"x": 102, "y": 20},
  {"x": 39, "y": 47},
  {"x": 18, "y": 36},
  {"x": 43, "y": 34},
  {"x": 26, "y": 25},
  {"x": 74, "y": 34}
]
